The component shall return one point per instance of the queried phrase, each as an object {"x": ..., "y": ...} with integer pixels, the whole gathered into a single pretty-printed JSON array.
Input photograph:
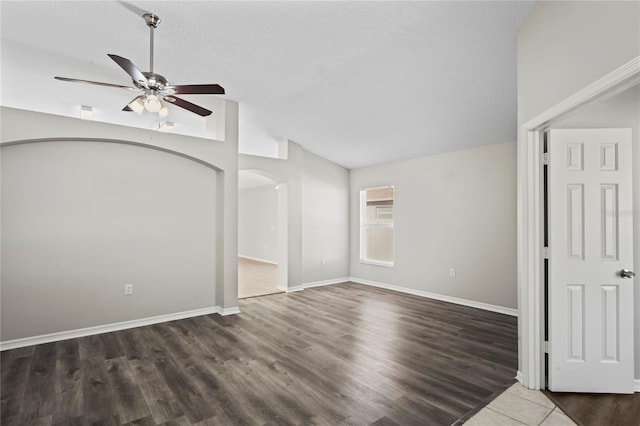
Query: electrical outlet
[
  {"x": 128, "y": 289},
  {"x": 452, "y": 272}
]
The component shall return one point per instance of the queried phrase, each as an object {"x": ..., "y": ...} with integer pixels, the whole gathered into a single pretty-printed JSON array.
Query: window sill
[{"x": 377, "y": 263}]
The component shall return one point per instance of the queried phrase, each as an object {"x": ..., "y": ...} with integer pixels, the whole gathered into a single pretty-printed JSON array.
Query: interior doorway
[
  {"x": 530, "y": 214},
  {"x": 617, "y": 111},
  {"x": 259, "y": 235},
  {"x": 590, "y": 243}
]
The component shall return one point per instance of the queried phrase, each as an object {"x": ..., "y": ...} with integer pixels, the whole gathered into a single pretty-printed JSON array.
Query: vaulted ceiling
[{"x": 359, "y": 83}]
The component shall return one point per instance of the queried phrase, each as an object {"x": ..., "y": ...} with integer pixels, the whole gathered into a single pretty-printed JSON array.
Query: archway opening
[{"x": 261, "y": 235}]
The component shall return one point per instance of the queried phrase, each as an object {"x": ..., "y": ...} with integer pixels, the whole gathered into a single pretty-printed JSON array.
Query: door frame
[{"x": 530, "y": 275}]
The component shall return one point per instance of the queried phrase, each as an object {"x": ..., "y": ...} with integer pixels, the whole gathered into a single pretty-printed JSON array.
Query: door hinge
[
  {"x": 546, "y": 346},
  {"x": 547, "y": 253},
  {"x": 545, "y": 158}
]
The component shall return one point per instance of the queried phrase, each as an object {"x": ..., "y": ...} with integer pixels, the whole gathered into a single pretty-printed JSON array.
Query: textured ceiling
[{"x": 359, "y": 83}]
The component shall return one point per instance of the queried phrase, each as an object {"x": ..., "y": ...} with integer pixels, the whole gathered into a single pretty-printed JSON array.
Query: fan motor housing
[{"x": 156, "y": 82}]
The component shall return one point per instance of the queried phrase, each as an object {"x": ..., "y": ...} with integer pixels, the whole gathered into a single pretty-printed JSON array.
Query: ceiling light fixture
[
  {"x": 165, "y": 126},
  {"x": 86, "y": 112},
  {"x": 136, "y": 106},
  {"x": 152, "y": 103},
  {"x": 153, "y": 88}
]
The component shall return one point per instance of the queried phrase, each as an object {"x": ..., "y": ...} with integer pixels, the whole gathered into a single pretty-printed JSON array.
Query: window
[{"x": 376, "y": 226}]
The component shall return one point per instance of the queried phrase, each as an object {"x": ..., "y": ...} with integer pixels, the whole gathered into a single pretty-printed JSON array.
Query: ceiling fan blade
[
  {"x": 130, "y": 69},
  {"x": 127, "y": 108},
  {"x": 97, "y": 83},
  {"x": 133, "y": 8},
  {"x": 187, "y": 105},
  {"x": 196, "y": 89}
]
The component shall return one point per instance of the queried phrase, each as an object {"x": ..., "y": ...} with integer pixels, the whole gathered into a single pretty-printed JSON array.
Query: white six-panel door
[{"x": 590, "y": 242}]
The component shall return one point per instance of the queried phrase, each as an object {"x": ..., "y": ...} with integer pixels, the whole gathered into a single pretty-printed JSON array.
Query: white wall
[
  {"x": 258, "y": 223},
  {"x": 455, "y": 210},
  {"x": 81, "y": 219},
  {"x": 91, "y": 206},
  {"x": 317, "y": 213},
  {"x": 325, "y": 219},
  {"x": 565, "y": 46},
  {"x": 623, "y": 110}
]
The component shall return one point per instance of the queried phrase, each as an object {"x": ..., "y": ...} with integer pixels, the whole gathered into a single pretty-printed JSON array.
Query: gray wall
[
  {"x": 93, "y": 206},
  {"x": 81, "y": 219},
  {"x": 623, "y": 110},
  {"x": 318, "y": 218},
  {"x": 565, "y": 46},
  {"x": 325, "y": 219},
  {"x": 455, "y": 210},
  {"x": 258, "y": 223}
]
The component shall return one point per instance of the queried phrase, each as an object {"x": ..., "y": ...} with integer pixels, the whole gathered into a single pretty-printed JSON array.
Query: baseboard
[
  {"x": 636, "y": 385},
  {"x": 291, "y": 289},
  {"x": 519, "y": 377},
  {"x": 326, "y": 282},
  {"x": 107, "y": 328},
  {"x": 450, "y": 299},
  {"x": 229, "y": 311},
  {"x": 257, "y": 259}
]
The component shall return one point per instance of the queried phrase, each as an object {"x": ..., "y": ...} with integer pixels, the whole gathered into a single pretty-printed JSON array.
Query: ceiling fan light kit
[
  {"x": 86, "y": 112},
  {"x": 135, "y": 105},
  {"x": 152, "y": 103},
  {"x": 155, "y": 87}
]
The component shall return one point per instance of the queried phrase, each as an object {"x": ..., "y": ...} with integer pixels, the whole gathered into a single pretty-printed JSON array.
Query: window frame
[{"x": 364, "y": 226}]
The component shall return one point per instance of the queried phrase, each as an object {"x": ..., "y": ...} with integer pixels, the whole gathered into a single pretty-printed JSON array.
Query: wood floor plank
[
  {"x": 10, "y": 408},
  {"x": 75, "y": 421},
  {"x": 132, "y": 344},
  {"x": 14, "y": 377},
  {"x": 345, "y": 354},
  {"x": 112, "y": 346},
  {"x": 99, "y": 399},
  {"x": 179, "y": 421},
  {"x": 39, "y": 393},
  {"x": 69, "y": 397},
  {"x": 159, "y": 398},
  {"x": 599, "y": 409},
  {"x": 172, "y": 367},
  {"x": 130, "y": 402},
  {"x": 23, "y": 352}
]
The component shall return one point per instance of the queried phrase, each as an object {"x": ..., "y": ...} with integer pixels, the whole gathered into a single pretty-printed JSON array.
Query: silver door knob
[{"x": 625, "y": 273}]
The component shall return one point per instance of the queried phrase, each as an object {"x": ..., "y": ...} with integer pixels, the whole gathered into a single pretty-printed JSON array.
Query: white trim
[
  {"x": 326, "y": 282},
  {"x": 616, "y": 81},
  {"x": 377, "y": 263},
  {"x": 450, "y": 299},
  {"x": 257, "y": 259},
  {"x": 229, "y": 311},
  {"x": 291, "y": 289},
  {"x": 106, "y": 328},
  {"x": 530, "y": 218},
  {"x": 636, "y": 385},
  {"x": 519, "y": 377}
]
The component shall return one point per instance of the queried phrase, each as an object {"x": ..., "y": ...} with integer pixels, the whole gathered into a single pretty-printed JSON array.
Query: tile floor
[
  {"x": 519, "y": 406},
  {"x": 256, "y": 278}
]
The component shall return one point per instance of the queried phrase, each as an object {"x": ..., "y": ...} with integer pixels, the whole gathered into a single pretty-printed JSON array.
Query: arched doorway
[{"x": 262, "y": 235}]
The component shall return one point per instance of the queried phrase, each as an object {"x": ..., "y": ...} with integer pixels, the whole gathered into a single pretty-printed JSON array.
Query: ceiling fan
[{"x": 156, "y": 89}]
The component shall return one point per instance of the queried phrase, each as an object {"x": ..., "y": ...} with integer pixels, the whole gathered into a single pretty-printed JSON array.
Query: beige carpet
[{"x": 256, "y": 278}]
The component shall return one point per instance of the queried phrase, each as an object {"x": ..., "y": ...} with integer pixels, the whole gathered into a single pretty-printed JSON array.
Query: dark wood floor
[
  {"x": 599, "y": 409},
  {"x": 338, "y": 355}
]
